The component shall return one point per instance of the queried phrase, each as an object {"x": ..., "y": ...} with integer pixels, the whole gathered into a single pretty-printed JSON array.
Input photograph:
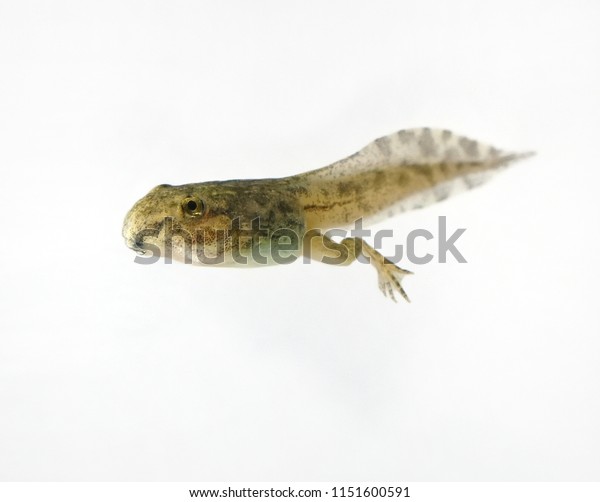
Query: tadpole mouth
[
  {"x": 136, "y": 245},
  {"x": 138, "y": 234}
]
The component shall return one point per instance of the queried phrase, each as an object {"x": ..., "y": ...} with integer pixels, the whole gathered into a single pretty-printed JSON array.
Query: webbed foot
[{"x": 390, "y": 279}]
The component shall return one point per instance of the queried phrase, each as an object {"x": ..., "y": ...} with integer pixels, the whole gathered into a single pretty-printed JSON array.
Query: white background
[{"x": 111, "y": 370}]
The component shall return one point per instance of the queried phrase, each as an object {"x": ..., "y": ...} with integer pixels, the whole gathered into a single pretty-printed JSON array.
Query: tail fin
[
  {"x": 422, "y": 146},
  {"x": 407, "y": 170}
]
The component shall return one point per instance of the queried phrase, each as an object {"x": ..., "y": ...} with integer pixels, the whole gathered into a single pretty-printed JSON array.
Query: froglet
[{"x": 269, "y": 221}]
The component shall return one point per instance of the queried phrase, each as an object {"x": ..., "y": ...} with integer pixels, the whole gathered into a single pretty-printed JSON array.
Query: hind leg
[{"x": 322, "y": 248}]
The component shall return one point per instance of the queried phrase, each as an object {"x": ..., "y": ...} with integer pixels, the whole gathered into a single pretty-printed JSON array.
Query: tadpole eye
[{"x": 193, "y": 206}]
